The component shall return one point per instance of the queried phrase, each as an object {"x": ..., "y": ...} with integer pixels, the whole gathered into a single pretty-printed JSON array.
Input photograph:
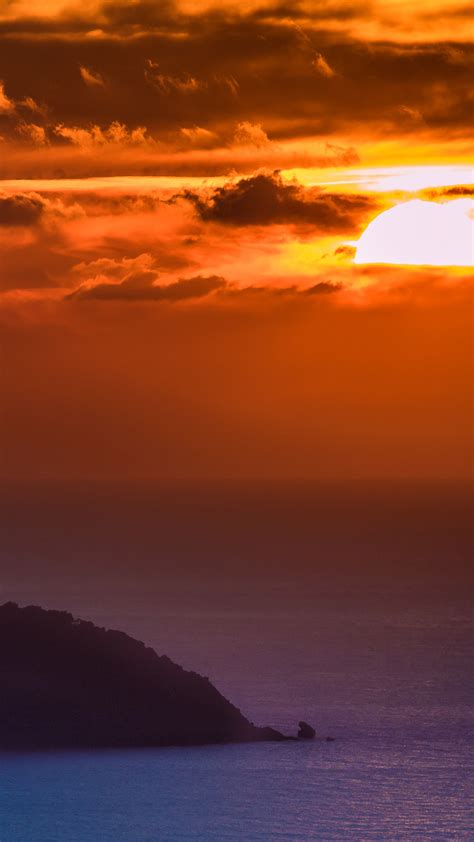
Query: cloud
[
  {"x": 343, "y": 255},
  {"x": 133, "y": 151},
  {"x": 271, "y": 69},
  {"x": 250, "y": 134},
  {"x": 10, "y": 107},
  {"x": 228, "y": 82},
  {"x": 378, "y": 20},
  {"x": 91, "y": 77},
  {"x": 20, "y": 209},
  {"x": 168, "y": 84},
  {"x": 268, "y": 200},
  {"x": 141, "y": 286},
  {"x": 198, "y": 137},
  {"x": 116, "y": 133},
  {"x": 34, "y": 133},
  {"x": 31, "y": 105},
  {"x": 225, "y": 68},
  {"x": 89, "y": 233},
  {"x": 323, "y": 288},
  {"x": 118, "y": 270},
  {"x": 440, "y": 193},
  {"x": 322, "y": 67},
  {"x": 34, "y": 251},
  {"x": 413, "y": 114},
  {"x": 7, "y": 106},
  {"x": 341, "y": 156}
]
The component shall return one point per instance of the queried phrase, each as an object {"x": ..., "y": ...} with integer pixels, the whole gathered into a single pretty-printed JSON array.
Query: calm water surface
[
  {"x": 354, "y": 790},
  {"x": 352, "y": 615}
]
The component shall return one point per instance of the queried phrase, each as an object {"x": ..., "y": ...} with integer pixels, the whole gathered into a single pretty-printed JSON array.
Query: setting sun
[{"x": 420, "y": 233}]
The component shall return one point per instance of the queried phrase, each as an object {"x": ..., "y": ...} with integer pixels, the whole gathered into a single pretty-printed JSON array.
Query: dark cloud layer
[
  {"x": 142, "y": 287},
  {"x": 20, "y": 209},
  {"x": 268, "y": 200},
  {"x": 323, "y": 288},
  {"x": 458, "y": 192},
  {"x": 113, "y": 245},
  {"x": 275, "y": 66}
]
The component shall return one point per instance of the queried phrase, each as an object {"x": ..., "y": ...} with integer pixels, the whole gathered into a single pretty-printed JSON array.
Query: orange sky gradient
[{"x": 183, "y": 191}]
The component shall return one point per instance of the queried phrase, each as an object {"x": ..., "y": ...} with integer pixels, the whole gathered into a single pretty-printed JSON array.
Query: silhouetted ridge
[{"x": 69, "y": 683}]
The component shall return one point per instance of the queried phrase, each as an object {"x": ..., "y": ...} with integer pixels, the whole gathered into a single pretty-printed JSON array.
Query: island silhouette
[{"x": 67, "y": 683}]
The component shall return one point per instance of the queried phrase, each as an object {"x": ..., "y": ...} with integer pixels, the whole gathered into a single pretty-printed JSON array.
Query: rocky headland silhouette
[{"x": 67, "y": 683}]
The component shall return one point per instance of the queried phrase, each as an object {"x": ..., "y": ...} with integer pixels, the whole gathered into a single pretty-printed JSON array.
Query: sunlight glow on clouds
[
  {"x": 419, "y": 233},
  {"x": 387, "y": 179},
  {"x": 186, "y": 188}
]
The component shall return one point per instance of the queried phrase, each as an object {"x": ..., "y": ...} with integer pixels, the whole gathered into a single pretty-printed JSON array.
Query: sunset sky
[{"x": 236, "y": 238}]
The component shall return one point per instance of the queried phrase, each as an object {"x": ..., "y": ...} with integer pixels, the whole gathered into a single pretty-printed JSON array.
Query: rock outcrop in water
[
  {"x": 305, "y": 732},
  {"x": 66, "y": 683}
]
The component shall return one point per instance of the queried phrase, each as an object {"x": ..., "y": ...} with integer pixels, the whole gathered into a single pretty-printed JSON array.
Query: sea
[{"x": 348, "y": 606}]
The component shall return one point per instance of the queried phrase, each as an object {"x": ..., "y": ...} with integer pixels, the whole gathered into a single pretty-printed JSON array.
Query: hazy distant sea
[{"x": 348, "y": 607}]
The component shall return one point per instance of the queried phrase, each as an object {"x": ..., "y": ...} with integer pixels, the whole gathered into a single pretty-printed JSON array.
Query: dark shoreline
[{"x": 71, "y": 685}]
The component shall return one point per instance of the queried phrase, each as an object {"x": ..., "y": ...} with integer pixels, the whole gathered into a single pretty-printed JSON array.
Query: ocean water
[
  {"x": 348, "y": 608},
  {"x": 353, "y": 789}
]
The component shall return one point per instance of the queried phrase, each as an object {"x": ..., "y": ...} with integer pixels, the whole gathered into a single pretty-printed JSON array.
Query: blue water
[
  {"x": 366, "y": 634},
  {"x": 354, "y": 790},
  {"x": 390, "y": 685}
]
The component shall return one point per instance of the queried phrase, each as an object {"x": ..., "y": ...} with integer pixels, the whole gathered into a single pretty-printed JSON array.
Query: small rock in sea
[
  {"x": 306, "y": 732},
  {"x": 330, "y": 739}
]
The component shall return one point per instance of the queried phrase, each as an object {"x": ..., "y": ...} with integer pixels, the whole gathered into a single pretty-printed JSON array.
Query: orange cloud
[
  {"x": 94, "y": 136},
  {"x": 322, "y": 67},
  {"x": 91, "y": 77},
  {"x": 250, "y": 134},
  {"x": 143, "y": 287},
  {"x": 34, "y": 133},
  {"x": 7, "y": 106}
]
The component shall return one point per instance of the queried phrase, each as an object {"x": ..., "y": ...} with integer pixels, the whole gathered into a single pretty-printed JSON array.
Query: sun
[{"x": 420, "y": 233}]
